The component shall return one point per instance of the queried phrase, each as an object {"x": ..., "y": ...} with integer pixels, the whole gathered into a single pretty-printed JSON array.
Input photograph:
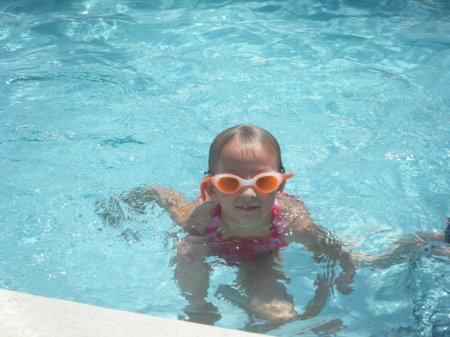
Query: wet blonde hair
[{"x": 248, "y": 135}]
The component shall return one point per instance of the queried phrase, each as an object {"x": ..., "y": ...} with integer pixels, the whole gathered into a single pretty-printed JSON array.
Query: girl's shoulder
[
  {"x": 296, "y": 215},
  {"x": 298, "y": 225},
  {"x": 200, "y": 217}
]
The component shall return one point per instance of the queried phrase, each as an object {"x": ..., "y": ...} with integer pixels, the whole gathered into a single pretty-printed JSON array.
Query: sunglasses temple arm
[
  {"x": 288, "y": 175},
  {"x": 203, "y": 187}
]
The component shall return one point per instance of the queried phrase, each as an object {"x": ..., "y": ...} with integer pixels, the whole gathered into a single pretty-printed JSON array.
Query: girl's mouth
[{"x": 247, "y": 208}]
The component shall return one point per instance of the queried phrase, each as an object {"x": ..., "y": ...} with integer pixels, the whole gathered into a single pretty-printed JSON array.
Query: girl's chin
[{"x": 248, "y": 218}]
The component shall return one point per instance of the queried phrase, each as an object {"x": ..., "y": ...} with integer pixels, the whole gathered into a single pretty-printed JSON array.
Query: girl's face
[{"x": 247, "y": 207}]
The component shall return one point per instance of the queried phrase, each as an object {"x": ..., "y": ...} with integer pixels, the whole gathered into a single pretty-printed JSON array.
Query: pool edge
[{"x": 29, "y": 315}]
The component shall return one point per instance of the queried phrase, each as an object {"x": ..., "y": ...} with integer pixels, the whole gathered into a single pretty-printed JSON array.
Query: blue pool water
[{"x": 100, "y": 97}]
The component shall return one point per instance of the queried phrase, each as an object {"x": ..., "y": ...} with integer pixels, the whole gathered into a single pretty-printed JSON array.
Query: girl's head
[
  {"x": 248, "y": 153},
  {"x": 249, "y": 137}
]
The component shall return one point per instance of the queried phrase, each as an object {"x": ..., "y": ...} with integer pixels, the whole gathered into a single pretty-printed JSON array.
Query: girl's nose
[{"x": 248, "y": 192}]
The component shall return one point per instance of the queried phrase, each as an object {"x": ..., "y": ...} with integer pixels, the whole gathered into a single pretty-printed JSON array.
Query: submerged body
[
  {"x": 246, "y": 218},
  {"x": 259, "y": 272},
  {"x": 248, "y": 226}
]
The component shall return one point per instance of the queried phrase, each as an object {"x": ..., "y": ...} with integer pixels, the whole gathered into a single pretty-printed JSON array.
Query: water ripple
[{"x": 100, "y": 96}]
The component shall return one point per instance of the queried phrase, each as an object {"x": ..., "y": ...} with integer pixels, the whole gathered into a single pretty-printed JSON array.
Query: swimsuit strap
[
  {"x": 217, "y": 210},
  {"x": 277, "y": 223},
  {"x": 213, "y": 227}
]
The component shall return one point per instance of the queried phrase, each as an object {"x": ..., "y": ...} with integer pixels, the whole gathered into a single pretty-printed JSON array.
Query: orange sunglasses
[{"x": 229, "y": 183}]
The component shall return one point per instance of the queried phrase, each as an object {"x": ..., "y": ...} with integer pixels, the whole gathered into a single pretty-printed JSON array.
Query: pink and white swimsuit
[{"x": 235, "y": 249}]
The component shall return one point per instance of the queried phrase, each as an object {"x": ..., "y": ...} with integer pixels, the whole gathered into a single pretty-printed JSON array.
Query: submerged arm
[
  {"x": 302, "y": 229},
  {"x": 321, "y": 243},
  {"x": 192, "y": 216},
  {"x": 401, "y": 248},
  {"x": 192, "y": 276},
  {"x": 172, "y": 202}
]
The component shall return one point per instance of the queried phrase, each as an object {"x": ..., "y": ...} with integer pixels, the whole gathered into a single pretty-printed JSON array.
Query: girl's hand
[
  {"x": 343, "y": 283},
  {"x": 201, "y": 312}
]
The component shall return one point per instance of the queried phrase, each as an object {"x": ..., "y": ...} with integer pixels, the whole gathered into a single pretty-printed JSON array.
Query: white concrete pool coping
[{"x": 25, "y": 315}]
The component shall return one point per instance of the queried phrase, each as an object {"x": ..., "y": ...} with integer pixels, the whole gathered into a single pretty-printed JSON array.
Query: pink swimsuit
[{"x": 235, "y": 249}]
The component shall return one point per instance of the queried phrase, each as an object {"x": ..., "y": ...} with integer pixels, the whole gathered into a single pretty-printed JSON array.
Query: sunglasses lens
[
  {"x": 228, "y": 184},
  {"x": 267, "y": 183}
]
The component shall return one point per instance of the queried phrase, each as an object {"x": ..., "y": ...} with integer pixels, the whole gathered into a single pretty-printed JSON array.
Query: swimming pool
[{"x": 99, "y": 97}]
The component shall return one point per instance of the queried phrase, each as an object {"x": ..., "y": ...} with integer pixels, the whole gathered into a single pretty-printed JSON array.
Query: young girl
[{"x": 245, "y": 218}]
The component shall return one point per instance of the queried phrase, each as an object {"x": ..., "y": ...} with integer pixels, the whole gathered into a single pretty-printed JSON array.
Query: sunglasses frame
[{"x": 242, "y": 182}]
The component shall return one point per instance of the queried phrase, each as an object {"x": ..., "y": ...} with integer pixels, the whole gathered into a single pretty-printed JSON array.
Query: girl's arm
[
  {"x": 132, "y": 205},
  {"x": 172, "y": 202},
  {"x": 314, "y": 238},
  {"x": 192, "y": 216},
  {"x": 192, "y": 276},
  {"x": 321, "y": 242},
  {"x": 401, "y": 248}
]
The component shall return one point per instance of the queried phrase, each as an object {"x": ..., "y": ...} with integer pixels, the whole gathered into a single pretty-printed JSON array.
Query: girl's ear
[
  {"x": 281, "y": 187},
  {"x": 210, "y": 190}
]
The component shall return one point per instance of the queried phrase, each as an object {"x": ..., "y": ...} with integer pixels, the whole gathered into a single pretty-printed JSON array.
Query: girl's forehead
[{"x": 251, "y": 156}]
